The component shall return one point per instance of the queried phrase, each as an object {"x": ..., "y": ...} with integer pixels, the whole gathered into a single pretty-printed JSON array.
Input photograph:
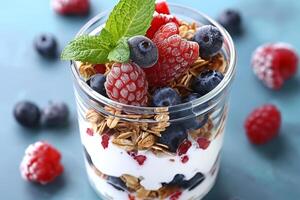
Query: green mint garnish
[
  {"x": 121, "y": 52},
  {"x": 128, "y": 18}
]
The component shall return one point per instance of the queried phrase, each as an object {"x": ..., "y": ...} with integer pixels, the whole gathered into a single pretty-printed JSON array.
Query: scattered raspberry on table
[
  {"x": 41, "y": 163},
  {"x": 275, "y": 63},
  {"x": 263, "y": 124},
  {"x": 71, "y": 7}
]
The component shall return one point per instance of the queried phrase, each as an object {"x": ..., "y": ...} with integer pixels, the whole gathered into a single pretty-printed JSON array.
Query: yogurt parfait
[{"x": 151, "y": 84}]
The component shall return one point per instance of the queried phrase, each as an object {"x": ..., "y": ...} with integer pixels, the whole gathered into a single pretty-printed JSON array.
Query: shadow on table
[{"x": 46, "y": 191}]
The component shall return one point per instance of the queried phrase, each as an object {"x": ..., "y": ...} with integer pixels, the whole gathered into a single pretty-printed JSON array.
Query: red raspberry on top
[
  {"x": 41, "y": 163},
  {"x": 263, "y": 124},
  {"x": 161, "y": 6},
  {"x": 126, "y": 83},
  {"x": 175, "y": 56},
  {"x": 158, "y": 21},
  {"x": 71, "y": 7},
  {"x": 274, "y": 64}
]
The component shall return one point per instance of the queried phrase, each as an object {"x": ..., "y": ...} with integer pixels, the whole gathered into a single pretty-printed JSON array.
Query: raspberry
[
  {"x": 71, "y": 7},
  {"x": 161, "y": 6},
  {"x": 263, "y": 124},
  {"x": 90, "y": 132},
  {"x": 158, "y": 21},
  {"x": 175, "y": 56},
  {"x": 126, "y": 83},
  {"x": 184, "y": 147},
  {"x": 203, "y": 143},
  {"x": 41, "y": 163},
  {"x": 140, "y": 159},
  {"x": 105, "y": 140},
  {"x": 274, "y": 64},
  {"x": 100, "y": 68},
  {"x": 184, "y": 159},
  {"x": 176, "y": 195}
]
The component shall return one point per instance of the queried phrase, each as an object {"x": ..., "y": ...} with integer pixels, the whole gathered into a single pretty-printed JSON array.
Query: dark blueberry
[
  {"x": 88, "y": 157},
  {"x": 194, "y": 182},
  {"x": 207, "y": 81},
  {"x": 55, "y": 114},
  {"x": 27, "y": 114},
  {"x": 193, "y": 122},
  {"x": 231, "y": 20},
  {"x": 196, "y": 123},
  {"x": 210, "y": 40},
  {"x": 178, "y": 180},
  {"x": 117, "y": 183},
  {"x": 173, "y": 137},
  {"x": 46, "y": 45},
  {"x": 191, "y": 97},
  {"x": 143, "y": 51},
  {"x": 165, "y": 97},
  {"x": 96, "y": 82}
]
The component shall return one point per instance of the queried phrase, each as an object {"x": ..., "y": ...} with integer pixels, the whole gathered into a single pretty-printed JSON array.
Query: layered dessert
[{"x": 149, "y": 137}]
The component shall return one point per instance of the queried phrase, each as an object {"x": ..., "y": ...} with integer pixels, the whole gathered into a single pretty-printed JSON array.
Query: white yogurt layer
[{"x": 114, "y": 161}]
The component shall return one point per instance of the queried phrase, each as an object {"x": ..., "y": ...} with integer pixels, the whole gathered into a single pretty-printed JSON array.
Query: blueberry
[
  {"x": 207, "y": 81},
  {"x": 117, "y": 183},
  {"x": 173, "y": 137},
  {"x": 96, "y": 82},
  {"x": 143, "y": 51},
  {"x": 165, "y": 97},
  {"x": 88, "y": 157},
  {"x": 27, "y": 114},
  {"x": 46, "y": 45},
  {"x": 55, "y": 114},
  {"x": 178, "y": 180},
  {"x": 195, "y": 123},
  {"x": 210, "y": 40},
  {"x": 195, "y": 181},
  {"x": 231, "y": 20},
  {"x": 191, "y": 97}
]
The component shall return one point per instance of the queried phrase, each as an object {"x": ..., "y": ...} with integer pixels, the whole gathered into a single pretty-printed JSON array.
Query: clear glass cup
[{"x": 124, "y": 159}]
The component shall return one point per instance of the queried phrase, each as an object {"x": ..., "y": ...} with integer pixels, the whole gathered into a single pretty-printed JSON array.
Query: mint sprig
[{"x": 128, "y": 18}]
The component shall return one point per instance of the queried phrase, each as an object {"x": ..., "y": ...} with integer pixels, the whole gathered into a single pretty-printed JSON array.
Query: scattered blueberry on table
[
  {"x": 231, "y": 20},
  {"x": 46, "y": 45},
  {"x": 27, "y": 113}
]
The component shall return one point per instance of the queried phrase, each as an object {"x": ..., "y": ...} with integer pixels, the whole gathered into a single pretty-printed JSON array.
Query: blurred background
[{"x": 248, "y": 172}]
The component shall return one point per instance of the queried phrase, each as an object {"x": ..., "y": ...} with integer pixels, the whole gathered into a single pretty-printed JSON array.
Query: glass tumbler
[{"x": 154, "y": 153}]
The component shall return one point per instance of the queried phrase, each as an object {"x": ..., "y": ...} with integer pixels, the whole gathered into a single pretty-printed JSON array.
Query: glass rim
[{"x": 231, "y": 67}]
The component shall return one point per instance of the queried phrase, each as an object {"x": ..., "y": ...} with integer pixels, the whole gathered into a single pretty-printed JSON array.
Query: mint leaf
[
  {"x": 130, "y": 18},
  {"x": 121, "y": 52},
  {"x": 92, "y": 49}
]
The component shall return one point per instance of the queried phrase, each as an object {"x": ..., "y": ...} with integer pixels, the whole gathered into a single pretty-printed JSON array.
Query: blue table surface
[{"x": 248, "y": 172}]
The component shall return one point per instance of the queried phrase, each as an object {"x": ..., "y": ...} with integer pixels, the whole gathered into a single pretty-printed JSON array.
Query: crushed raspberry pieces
[
  {"x": 105, "y": 139},
  {"x": 131, "y": 197},
  {"x": 184, "y": 147},
  {"x": 184, "y": 159},
  {"x": 203, "y": 143},
  {"x": 175, "y": 195},
  {"x": 139, "y": 158},
  {"x": 90, "y": 132},
  {"x": 100, "y": 68}
]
